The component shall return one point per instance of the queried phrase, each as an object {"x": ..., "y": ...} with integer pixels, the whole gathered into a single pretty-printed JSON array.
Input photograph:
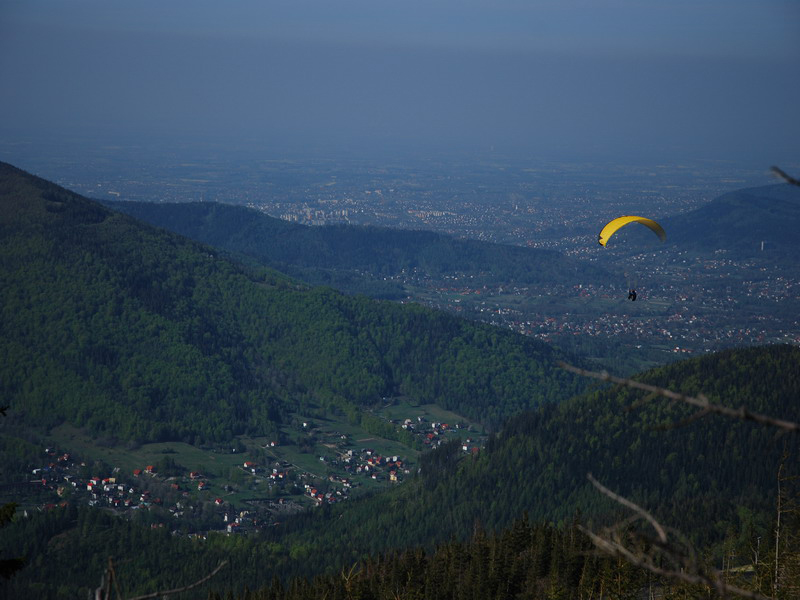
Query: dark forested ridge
[
  {"x": 738, "y": 222},
  {"x": 346, "y": 254},
  {"x": 70, "y": 549},
  {"x": 130, "y": 330}
]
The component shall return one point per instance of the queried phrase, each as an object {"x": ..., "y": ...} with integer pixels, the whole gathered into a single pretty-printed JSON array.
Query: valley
[
  {"x": 713, "y": 286},
  {"x": 399, "y": 300},
  {"x": 314, "y": 461},
  {"x": 209, "y": 394},
  {"x": 693, "y": 307}
]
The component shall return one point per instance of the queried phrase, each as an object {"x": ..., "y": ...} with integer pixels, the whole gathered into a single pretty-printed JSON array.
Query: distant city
[{"x": 535, "y": 203}]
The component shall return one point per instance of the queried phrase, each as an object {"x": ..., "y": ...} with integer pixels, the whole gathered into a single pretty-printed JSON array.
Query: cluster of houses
[
  {"x": 55, "y": 475},
  {"x": 145, "y": 488},
  {"x": 60, "y": 476},
  {"x": 54, "y": 469},
  {"x": 119, "y": 492},
  {"x": 366, "y": 463},
  {"x": 108, "y": 492},
  {"x": 374, "y": 465},
  {"x": 320, "y": 497},
  {"x": 433, "y": 434}
]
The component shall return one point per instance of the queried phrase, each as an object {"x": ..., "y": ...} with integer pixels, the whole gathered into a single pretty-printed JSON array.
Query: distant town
[{"x": 680, "y": 317}]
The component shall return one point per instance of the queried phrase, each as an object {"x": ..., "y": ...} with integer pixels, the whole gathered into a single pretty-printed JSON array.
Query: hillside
[
  {"x": 358, "y": 258},
  {"x": 708, "y": 288},
  {"x": 75, "y": 546},
  {"x": 738, "y": 222},
  {"x": 140, "y": 334},
  {"x": 709, "y": 478},
  {"x": 714, "y": 479}
]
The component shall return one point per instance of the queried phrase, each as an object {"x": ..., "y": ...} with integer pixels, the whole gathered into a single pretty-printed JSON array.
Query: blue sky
[{"x": 584, "y": 78}]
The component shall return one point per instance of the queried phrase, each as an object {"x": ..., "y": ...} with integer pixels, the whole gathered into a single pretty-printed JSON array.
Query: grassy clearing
[{"x": 402, "y": 409}]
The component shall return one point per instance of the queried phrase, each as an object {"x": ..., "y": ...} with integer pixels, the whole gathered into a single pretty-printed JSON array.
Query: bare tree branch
[
  {"x": 627, "y": 503},
  {"x": 699, "y": 401},
  {"x": 658, "y": 555},
  {"x": 182, "y": 589},
  {"x": 616, "y": 548},
  {"x": 784, "y": 176},
  {"x": 114, "y": 577},
  {"x": 687, "y": 421},
  {"x": 650, "y": 554}
]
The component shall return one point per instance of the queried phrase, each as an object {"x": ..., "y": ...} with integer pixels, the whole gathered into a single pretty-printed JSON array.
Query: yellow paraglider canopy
[{"x": 612, "y": 227}]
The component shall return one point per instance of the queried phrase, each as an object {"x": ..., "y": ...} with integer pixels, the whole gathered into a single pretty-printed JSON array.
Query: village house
[{"x": 233, "y": 528}]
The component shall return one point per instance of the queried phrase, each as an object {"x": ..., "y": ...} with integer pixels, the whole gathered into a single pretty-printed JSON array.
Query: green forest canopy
[{"x": 126, "y": 329}]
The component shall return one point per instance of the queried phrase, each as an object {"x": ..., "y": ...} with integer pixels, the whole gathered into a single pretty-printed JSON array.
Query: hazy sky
[{"x": 608, "y": 78}]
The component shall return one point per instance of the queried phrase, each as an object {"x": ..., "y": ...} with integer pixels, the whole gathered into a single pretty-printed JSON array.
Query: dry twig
[
  {"x": 653, "y": 553},
  {"x": 182, "y": 589},
  {"x": 662, "y": 536},
  {"x": 700, "y": 402},
  {"x": 684, "y": 565},
  {"x": 104, "y": 591},
  {"x": 784, "y": 176}
]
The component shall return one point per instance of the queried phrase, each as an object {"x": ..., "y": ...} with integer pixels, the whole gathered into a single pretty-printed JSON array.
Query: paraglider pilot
[{"x": 631, "y": 295}]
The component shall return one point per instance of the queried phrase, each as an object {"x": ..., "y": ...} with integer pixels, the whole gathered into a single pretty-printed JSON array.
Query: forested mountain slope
[
  {"x": 69, "y": 551},
  {"x": 714, "y": 480},
  {"x": 114, "y": 325},
  {"x": 707, "y": 477},
  {"x": 335, "y": 250},
  {"x": 738, "y": 222}
]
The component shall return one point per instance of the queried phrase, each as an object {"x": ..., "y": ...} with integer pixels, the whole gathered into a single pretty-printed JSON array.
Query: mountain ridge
[
  {"x": 738, "y": 222},
  {"x": 380, "y": 252},
  {"x": 105, "y": 317}
]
